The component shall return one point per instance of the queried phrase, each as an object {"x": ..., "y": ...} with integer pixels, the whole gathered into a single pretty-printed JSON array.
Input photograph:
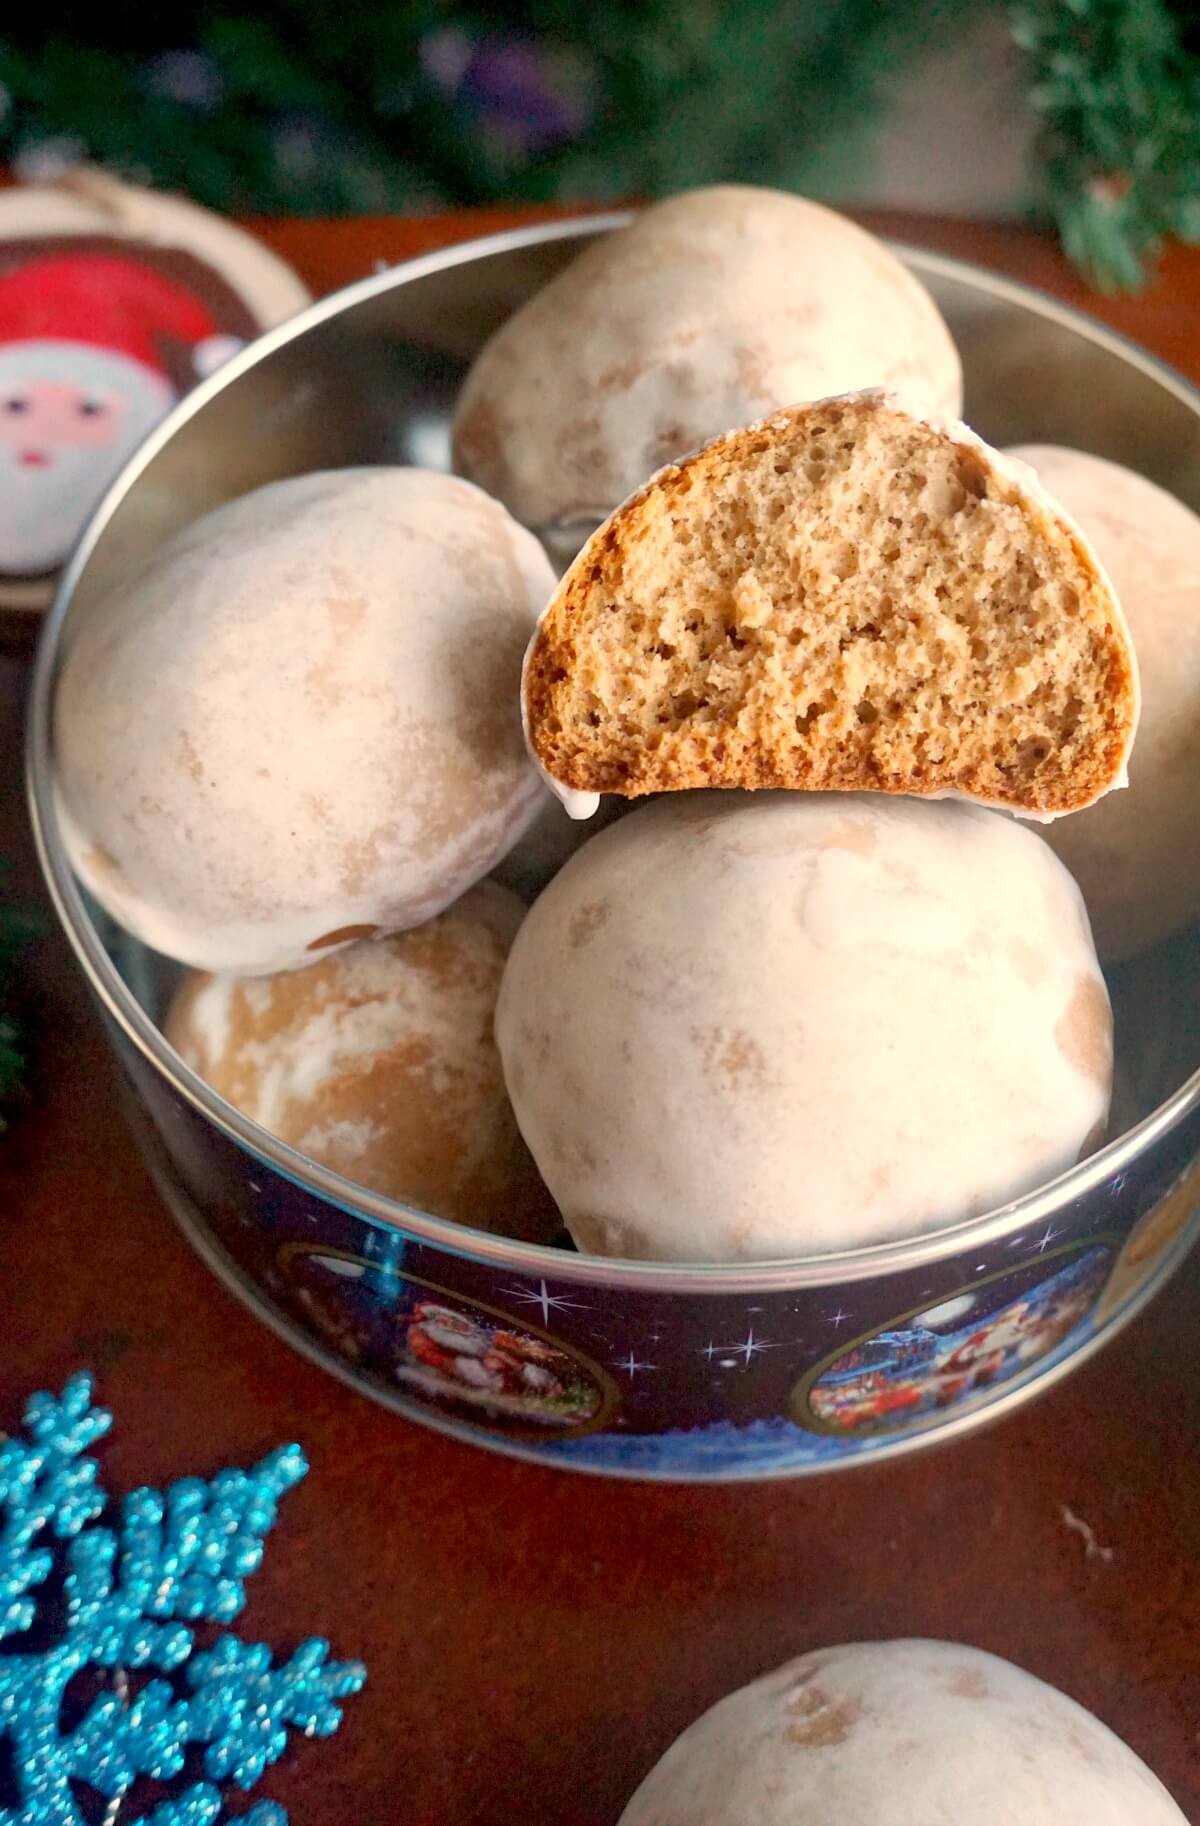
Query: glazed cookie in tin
[
  {"x": 1137, "y": 855},
  {"x": 298, "y": 724},
  {"x": 711, "y": 309},
  {"x": 740, "y": 1028},
  {"x": 379, "y": 1062}
]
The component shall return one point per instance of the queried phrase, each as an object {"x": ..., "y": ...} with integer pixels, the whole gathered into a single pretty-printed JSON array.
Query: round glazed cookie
[
  {"x": 1137, "y": 855},
  {"x": 891, "y": 1733},
  {"x": 380, "y": 1064},
  {"x": 298, "y": 724},
  {"x": 714, "y": 308},
  {"x": 747, "y": 1028}
]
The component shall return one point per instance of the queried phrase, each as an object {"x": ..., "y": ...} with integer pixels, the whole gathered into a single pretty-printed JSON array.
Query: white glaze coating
[
  {"x": 712, "y": 308},
  {"x": 300, "y": 717},
  {"x": 379, "y": 1062},
  {"x": 905, "y": 1733},
  {"x": 748, "y": 1027},
  {"x": 1137, "y": 858},
  {"x": 1006, "y": 466}
]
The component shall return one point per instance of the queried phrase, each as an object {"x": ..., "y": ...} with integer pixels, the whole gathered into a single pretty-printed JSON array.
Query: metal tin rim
[
  {"x": 290, "y": 1332},
  {"x": 1037, "y": 1207}
]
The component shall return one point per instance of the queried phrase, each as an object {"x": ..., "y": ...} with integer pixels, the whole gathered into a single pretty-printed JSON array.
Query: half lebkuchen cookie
[{"x": 846, "y": 598}]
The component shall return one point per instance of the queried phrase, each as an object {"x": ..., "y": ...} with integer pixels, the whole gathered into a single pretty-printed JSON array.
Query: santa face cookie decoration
[{"x": 113, "y": 303}]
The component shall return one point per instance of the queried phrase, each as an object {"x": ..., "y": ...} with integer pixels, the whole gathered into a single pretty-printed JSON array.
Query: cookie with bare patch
[
  {"x": 379, "y": 1063},
  {"x": 710, "y": 309},
  {"x": 891, "y": 1733}
]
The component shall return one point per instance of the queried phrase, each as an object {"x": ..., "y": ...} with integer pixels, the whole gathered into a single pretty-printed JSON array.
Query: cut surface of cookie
[{"x": 845, "y": 597}]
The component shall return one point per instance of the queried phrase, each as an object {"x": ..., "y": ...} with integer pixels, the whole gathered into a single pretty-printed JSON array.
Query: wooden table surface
[{"x": 535, "y": 1639}]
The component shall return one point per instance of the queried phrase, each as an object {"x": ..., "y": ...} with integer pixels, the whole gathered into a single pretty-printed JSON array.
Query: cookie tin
[{"x": 622, "y": 1368}]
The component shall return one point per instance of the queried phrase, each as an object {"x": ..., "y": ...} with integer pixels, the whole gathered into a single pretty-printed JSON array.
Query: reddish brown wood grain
[{"x": 535, "y": 1639}]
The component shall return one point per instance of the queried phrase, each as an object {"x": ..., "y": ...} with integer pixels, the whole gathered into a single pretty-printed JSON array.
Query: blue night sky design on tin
[{"x": 723, "y": 1449}]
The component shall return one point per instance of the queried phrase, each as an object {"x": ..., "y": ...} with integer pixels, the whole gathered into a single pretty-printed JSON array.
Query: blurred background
[{"x": 1085, "y": 111}]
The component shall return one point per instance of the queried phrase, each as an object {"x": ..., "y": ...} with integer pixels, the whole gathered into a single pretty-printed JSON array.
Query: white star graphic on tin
[
  {"x": 728, "y": 1354},
  {"x": 1045, "y": 1241},
  {"x": 838, "y": 1318},
  {"x": 548, "y": 1302},
  {"x": 631, "y": 1366}
]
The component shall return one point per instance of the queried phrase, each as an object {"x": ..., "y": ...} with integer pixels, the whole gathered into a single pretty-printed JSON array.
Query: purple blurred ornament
[
  {"x": 44, "y": 160},
  {"x": 530, "y": 96},
  {"x": 191, "y": 78}
]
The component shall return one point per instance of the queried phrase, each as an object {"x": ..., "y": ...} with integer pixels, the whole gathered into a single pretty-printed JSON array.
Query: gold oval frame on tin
[
  {"x": 1152, "y": 1237},
  {"x": 799, "y": 1406},
  {"x": 610, "y": 1394}
]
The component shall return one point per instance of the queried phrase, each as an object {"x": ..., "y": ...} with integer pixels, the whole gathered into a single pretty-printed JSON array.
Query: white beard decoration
[{"x": 71, "y": 415}]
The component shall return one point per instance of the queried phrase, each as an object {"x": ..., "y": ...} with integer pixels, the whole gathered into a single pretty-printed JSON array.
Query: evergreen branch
[
  {"x": 313, "y": 107},
  {"x": 1119, "y": 148}
]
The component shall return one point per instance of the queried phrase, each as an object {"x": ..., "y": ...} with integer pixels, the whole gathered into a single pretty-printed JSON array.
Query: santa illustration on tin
[
  {"x": 113, "y": 303},
  {"x": 84, "y": 340}
]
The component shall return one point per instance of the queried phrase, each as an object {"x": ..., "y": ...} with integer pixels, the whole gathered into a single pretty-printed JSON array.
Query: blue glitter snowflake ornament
[{"x": 128, "y": 1595}]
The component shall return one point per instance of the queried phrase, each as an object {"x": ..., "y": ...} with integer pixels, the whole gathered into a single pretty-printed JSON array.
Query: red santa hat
[{"x": 106, "y": 301}]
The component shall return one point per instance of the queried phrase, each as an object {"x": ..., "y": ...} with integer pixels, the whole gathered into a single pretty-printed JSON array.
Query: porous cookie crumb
[{"x": 844, "y": 598}]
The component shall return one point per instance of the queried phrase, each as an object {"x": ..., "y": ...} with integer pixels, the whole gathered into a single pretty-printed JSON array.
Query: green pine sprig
[
  {"x": 774, "y": 93},
  {"x": 317, "y": 108},
  {"x": 1119, "y": 152}
]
